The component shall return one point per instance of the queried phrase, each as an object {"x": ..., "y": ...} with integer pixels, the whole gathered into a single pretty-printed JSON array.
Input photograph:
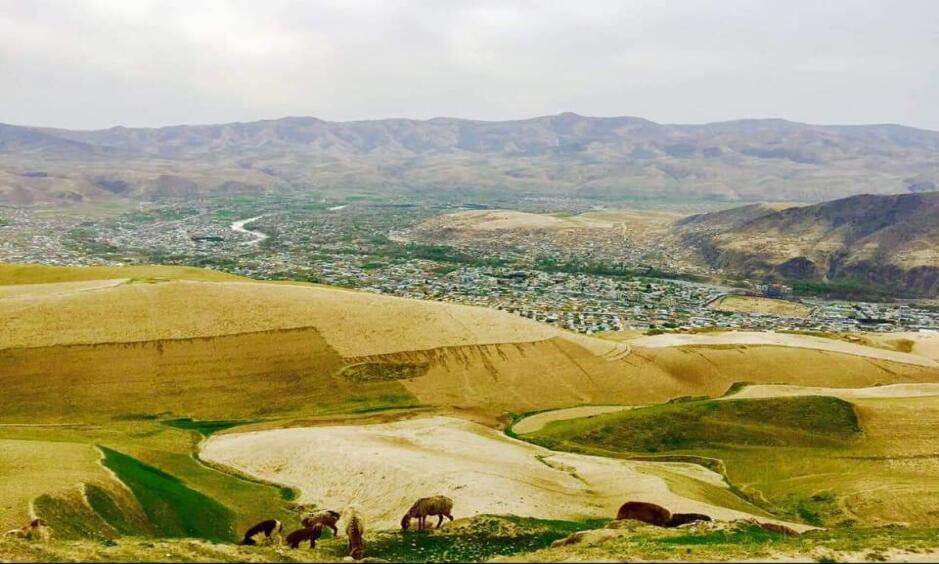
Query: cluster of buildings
[{"x": 357, "y": 246}]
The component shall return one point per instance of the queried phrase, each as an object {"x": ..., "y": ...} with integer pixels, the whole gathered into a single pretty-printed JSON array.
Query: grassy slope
[
  {"x": 803, "y": 459},
  {"x": 744, "y": 542},
  {"x": 132, "y": 388},
  {"x": 148, "y": 443},
  {"x": 174, "y": 508},
  {"x": 524, "y": 540},
  {"x": 798, "y": 421},
  {"x": 476, "y": 539}
]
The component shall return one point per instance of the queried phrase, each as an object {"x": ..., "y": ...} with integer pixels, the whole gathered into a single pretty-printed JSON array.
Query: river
[{"x": 239, "y": 227}]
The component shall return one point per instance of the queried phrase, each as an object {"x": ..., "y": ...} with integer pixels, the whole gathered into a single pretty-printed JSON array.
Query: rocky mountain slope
[
  {"x": 882, "y": 241},
  {"x": 563, "y": 154}
]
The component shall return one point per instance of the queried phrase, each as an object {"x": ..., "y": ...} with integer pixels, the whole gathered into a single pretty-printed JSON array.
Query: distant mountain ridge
[
  {"x": 888, "y": 242},
  {"x": 566, "y": 154}
]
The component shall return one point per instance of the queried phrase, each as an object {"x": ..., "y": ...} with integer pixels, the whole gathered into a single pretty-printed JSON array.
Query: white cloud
[{"x": 97, "y": 63}]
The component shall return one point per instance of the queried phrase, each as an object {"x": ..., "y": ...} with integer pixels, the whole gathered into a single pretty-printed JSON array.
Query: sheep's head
[{"x": 406, "y": 521}]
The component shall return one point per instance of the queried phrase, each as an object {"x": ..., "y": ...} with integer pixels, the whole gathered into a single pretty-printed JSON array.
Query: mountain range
[{"x": 562, "y": 155}]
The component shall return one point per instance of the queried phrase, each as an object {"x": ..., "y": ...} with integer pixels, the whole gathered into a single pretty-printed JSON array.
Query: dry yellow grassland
[
  {"x": 30, "y": 469},
  {"x": 383, "y": 468},
  {"x": 770, "y": 306}
]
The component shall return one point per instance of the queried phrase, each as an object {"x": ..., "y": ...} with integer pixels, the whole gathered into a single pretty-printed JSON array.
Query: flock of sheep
[{"x": 312, "y": 524}]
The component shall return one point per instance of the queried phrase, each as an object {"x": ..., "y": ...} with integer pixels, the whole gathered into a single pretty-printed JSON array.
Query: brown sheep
[
  {"x": 37, "y": 529},
  {"x": 311, "y": 534},
  {"x": 439, "y": 505},
  {"x": 646, "y": 512},
  {"x": 326, "y": 518},
  {"x": 355, "y": 531},
  {"x": 270, "y": 528}
]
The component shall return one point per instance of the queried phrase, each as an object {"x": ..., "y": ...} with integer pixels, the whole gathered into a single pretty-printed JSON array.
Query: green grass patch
[
  {"x": 486, "y": 538},
  {"x": 174, "y": 509},
  {"x": 383, "y": 396},
  {"x": 800, "y": 421},
  {"x": 748, "y": 535},
  {"x": 206, "y": 428}
]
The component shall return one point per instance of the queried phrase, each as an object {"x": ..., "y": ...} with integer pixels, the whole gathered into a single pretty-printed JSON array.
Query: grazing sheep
[
  {"x": 684, "y": 518},
  {"x": 326, "y": 518},
  {"x": 439, "y": 505},
  {"x": 646, "y": 512},
  {"x": 355, "y": 531},
  {"x": 37, "y": 530},
  {"x": 270, "y": 528},
  {"x": 311, "y": 534}
]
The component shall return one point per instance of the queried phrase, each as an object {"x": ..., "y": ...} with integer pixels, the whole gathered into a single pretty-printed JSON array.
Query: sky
[{"x": 88, "y": 64}]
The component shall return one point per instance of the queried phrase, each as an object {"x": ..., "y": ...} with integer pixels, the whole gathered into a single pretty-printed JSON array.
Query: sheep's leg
[
  {"x": 439, "y": 520},
  {"x": 335, "y": 530}
]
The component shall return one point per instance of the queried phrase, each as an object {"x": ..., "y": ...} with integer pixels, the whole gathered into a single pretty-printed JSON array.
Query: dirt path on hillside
[
  {"x": 538, "y": 421},
  {"x": 874, "y": 392},
  {"x": 383, "y": 468},
  {"x": 783, "y": 340}
]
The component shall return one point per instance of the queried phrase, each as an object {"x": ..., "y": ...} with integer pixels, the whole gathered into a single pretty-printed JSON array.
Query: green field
[
  {"x": 819, "y": 460},
  {"x": 777, "y": 422},
  {"x": 174, "y": 509},
  {"x": 173, "y": 494}
]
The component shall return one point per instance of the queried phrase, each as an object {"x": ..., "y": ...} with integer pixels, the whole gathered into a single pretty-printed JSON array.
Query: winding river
[{"x": 239, "y": 227}]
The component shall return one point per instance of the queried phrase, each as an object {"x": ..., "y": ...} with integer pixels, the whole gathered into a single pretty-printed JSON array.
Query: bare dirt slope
[
  {"x": 779, "y": 339},
  {"x": 383, "y": 468}
]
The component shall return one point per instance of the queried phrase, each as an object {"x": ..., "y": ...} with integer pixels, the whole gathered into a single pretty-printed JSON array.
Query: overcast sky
[{"x": 99, "y": 63}]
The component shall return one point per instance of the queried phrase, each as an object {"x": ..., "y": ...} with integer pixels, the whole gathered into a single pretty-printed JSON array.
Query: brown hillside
[
  {"x": 567, "y": 153},
  {"x": 891, "y": 242},
  {"x": 254, "y": 350}
]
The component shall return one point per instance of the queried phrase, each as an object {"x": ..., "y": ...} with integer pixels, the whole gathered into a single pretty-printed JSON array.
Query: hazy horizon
[
  {"x": 517, "y": 119},
  {"x": 102, "y": 63}
]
